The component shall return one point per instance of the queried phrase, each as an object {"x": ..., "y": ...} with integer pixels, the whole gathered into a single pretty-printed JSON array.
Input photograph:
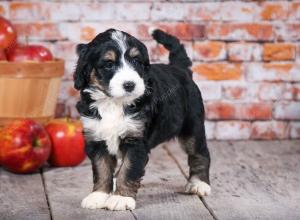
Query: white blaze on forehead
[
  {"x": 125, "y": 73},
  {"x": 120, "y": 38}
]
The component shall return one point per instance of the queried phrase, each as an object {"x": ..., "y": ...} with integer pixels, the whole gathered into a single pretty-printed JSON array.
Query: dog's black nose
[{"x": 129, "y": 86}]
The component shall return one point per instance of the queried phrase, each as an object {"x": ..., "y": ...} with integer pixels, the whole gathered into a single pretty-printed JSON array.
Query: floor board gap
[
  {"x": 46, "y": 194},
  {"x": 134, "y": 216},
  {"x": 184, "y": 174}
]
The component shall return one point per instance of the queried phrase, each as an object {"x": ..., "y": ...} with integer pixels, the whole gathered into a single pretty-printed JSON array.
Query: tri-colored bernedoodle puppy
[{"x": 128, "y": 106}]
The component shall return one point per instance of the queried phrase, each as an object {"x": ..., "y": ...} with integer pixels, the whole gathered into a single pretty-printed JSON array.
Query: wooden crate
[{"x": 29, "y": 90}]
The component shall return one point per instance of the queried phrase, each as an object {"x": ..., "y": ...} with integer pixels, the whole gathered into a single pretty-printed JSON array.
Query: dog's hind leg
[{"x": 194, "y": 144}]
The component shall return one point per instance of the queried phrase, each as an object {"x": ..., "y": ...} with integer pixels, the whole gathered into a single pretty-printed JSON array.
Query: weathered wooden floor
[{"x": 250, "y": 180}]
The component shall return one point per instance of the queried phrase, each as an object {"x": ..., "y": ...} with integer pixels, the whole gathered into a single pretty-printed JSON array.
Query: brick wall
[{"x": 246, "y": 53}]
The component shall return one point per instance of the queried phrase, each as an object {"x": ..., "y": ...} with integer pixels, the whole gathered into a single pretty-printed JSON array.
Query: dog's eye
[
  {"x": 136, "y": 61},
  {"x": 108, "y": 64}
]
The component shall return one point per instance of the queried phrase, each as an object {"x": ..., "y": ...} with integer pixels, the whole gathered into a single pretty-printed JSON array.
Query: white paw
[
  {"x": 196, "y": 186},
  {"x": 116, "y": 202},
  {"x": 95, "y": 200}
]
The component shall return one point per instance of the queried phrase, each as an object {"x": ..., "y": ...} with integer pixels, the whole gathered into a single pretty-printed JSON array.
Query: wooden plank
[
  {"x": 22, "y": 197},
  {"x": 160, "y": 197},
  {"x": 66, "y": 187},
  {"x": 253, "y": 180}
]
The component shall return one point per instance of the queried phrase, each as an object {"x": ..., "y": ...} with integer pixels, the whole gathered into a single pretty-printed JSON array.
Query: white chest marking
[{"x": 114, "y": 124}]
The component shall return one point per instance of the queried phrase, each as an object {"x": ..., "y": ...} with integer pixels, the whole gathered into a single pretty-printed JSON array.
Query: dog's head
[{"x": 115, "y": 63}]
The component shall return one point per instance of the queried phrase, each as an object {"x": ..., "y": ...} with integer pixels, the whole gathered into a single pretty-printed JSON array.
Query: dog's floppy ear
[
  {"x": 146, "y": 61},
  {"x": 83, "y": 70}
]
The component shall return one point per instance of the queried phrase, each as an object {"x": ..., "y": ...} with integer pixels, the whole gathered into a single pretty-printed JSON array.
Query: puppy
[{"x": 128, "y": 107}]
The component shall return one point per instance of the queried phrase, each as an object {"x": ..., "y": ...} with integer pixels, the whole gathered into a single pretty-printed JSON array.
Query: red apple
[
  {"x": 2, "y": 55},
  {"x": 22, "y": 53},
  {"x": 24, "y": 146},
  {"x": 8, "y": 34},
  {"x": 67, "y": 142}
]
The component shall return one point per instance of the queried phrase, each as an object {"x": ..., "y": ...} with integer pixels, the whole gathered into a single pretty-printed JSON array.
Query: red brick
[
  {"x": 236, "y": 90},
  {"x": 230, "y": 110},
  {"x": 240, "y": 31},
  {"x": 97, "y": 11},
  {"x": 274, "y": 72},
  {"x": 253, "y": 111},
  {"x": 69, "y": 69},
  {"x": 32, "y": 11},
  {"x": 43, "y": 31},
  {"x": 187, "y": 11},
  {"x": 270, "y": 91},
  {"x": 187, "y": 31},
  {"x": 206, "y": 11},
  {"x": 241, "y": 51},
  {"x": 243, "y": 11},
  {"x": 170, "y": 11},
  {"x": 295, "y": 130},
  {"x": 278, "y": 91},
  {"x": 220, "y": 110},
  {"x": 160, "y": 53},
  {"x": 298, "y": 53},
  {"x": 184, "y": 31},
  {"x": 4, "y": 9},
  {"x": 274, "y": 10},
  {"x": 291, "y": 91},
  {"x": 64, "y": 11},
  {"x": 218, "y": 71},
  {"x": 279, "y": 51},
  {"x": 69, "y": 96},
  {"x": 269, "y": 130},
  {"x": 209, "y": 50},
  {"x": 65, "y": 50},
  {"x": 287, "y": 31},
  {"x": 157, "y": 52},
  {"x": 287, "y": 110},
  {"x": 86, "y": 31},
  {"x": 210, "y": 129},
  {"x": 294, "y": 11},
  {"x": 209, "y": 90},
  {"x": 45, "y": 11},
  {"x": 132, "y": 11},
  {"x": 233, "y": 130}
]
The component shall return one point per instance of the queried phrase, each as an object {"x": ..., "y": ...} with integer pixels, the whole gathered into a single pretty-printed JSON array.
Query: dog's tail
[{"x": 178, "y": 55}]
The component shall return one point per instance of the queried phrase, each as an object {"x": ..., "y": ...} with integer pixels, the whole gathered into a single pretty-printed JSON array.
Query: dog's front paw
[
  {"x": 116, "y": 202},
  {"x": 95, "y": 200},
  {"x": 198, "y": 187}
]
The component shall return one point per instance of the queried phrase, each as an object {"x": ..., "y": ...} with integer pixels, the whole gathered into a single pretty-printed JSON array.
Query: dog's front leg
[
  {"x": 103, "y": 166},
  {"x": 135, "y": 158}
]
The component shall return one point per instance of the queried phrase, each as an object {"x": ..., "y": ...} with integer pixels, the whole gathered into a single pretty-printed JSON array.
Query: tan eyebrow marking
[
  {"x": 94, "y": 81},
  {"x": 93, "y": 77},
  {"x": 110, "y": 55},
  {"x": 134, "y": 52}
]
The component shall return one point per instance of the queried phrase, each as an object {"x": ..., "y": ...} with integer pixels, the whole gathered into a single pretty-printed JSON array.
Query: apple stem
[{"x": 35, "y": 142}]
